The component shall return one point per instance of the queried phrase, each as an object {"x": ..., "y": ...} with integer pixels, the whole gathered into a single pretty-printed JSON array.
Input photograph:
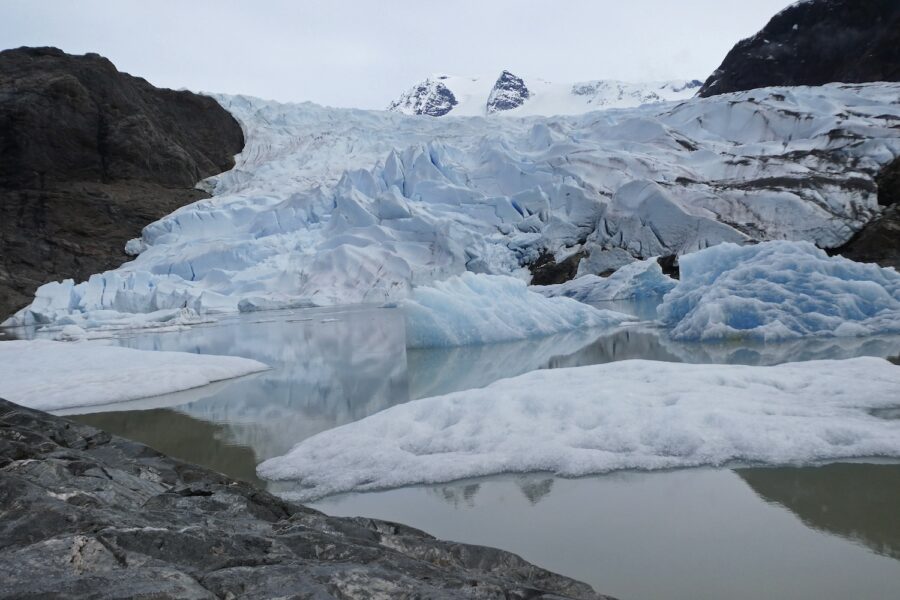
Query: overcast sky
[{"x": 363, "y": 54}]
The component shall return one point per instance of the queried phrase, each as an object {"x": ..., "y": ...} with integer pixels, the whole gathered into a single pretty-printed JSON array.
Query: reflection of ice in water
[
  {"x": 332, "y": 367},
  {"x": 326, "y": 372}
]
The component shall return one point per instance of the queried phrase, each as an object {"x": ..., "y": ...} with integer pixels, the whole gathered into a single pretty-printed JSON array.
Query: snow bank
[
  {"x": 627, "y": 415},
  {"x": 483, "y": 309},
  {"x": 51, "y": 375},
  {"x": 779, "y": 290},
  {"x": 640, "y": 279}
]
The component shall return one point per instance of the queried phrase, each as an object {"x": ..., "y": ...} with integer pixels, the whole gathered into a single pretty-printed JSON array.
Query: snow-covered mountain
[
  {"x": 338, "y": 206},
  {"x": 510, "y": 94}
]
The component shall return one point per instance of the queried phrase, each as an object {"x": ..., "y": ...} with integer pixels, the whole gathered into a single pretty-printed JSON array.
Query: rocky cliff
[
  {"x": 88, "y": 156},
  {"x": 815, "y": 42}
]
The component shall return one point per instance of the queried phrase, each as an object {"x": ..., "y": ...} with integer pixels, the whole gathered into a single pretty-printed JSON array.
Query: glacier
[
  {"x": 480, "y": 309},
  {"x": 779, "y": 290},
  {"x": 50, "y": 375},
  {"x": 634, "y": 414},
  {"x": 337, "y": 206},
  {"x": 639, "y": 279}
]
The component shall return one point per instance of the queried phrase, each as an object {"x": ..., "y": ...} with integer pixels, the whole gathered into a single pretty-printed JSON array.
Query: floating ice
[
  {"x": 634, "y": 414},
  {"x": 483, "y": 309},
  {"x": 642, "y": 279},
  {"x": 779, "y": 290},
  {"x": 54, "y": 375}
]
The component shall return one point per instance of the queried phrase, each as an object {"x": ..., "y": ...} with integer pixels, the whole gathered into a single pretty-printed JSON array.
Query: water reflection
[
  {"x": 335, "y": 366},
  {"x": 176, "y": 433},
  {"x": 627, "y": 533},
  {"x": 859, "y": 502}
]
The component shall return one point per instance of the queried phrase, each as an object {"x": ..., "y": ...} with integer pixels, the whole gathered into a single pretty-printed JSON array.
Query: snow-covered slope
[
  {"x": 341, "y": 206},
  {"x": 510, "y": 94}
]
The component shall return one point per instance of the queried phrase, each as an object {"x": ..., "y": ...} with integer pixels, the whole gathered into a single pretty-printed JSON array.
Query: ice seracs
[
  {"x": 336, "y": 206},
  {"x": 482, "y": 309},
  {"x": 634, "y": 414},
  {"x": 779, "y": 290},
  {"x": 52, "y": 375}
]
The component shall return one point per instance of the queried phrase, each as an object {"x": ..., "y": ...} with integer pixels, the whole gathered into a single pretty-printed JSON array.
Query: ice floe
[
  {"x": 52, "y": 375},
  {"x": 634, "y": 414}
]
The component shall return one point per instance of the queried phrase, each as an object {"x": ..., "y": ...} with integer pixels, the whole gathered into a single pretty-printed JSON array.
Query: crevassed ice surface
[
  {"x": 482, "y": 309},
  {"x": 634, "y": 414},
  {"x": 337, "y": 206},
  {"x": 640, "y": 279},
  {"x": 779, "y": 290}
]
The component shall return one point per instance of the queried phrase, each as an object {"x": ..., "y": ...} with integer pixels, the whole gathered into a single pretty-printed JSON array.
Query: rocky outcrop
[
  {"x": 879, "y": 240},
  {"x": 509, "y": 92},
  {"x": 88, "y": 156},
  {"x": 89, "y": 515},
  {"x": 546, "y": 271},
  {"x": 816, "y": 42}
]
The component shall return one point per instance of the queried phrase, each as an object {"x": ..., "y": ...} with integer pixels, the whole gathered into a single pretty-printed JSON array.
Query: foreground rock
[
  {"x": 88, "y": 157},
  {"x": 86, "y": 514},
  {"x": 813, "y": 43}
]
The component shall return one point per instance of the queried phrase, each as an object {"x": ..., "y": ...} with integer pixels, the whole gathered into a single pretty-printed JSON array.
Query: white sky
[{"x": 364, "y": 54}]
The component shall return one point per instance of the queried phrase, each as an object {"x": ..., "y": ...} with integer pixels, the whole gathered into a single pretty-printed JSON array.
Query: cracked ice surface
[{"x": 336, "y": 206}]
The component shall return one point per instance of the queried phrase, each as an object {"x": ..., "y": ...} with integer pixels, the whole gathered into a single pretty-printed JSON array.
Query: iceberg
[
  {"x": 483, "y": 309},
  {"x": 634, "y": 414},
  {"x": 641, "y": 279},
  {"x": 779, "y": 290},
  {"x": 49, "y": 375}
]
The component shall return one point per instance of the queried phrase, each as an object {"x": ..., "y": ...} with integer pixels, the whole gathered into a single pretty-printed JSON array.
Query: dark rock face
[
  {"x": 879, "y": 240},
  {"x": 89, "y": 515},
  {"x": 546, "y": 271},
  {"x": 813, "y": 43},
  {"x": 88, "y": 156},
  {"x": 508, "y": 92}
]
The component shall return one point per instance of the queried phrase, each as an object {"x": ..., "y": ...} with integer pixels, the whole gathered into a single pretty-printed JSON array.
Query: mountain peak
[
  {"x": 430, "y": 97},
  {"x": 509, "y": 92}
]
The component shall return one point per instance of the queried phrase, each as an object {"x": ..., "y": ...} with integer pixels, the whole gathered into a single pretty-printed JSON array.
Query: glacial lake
[{"x": 812, "y": 532}]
